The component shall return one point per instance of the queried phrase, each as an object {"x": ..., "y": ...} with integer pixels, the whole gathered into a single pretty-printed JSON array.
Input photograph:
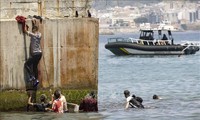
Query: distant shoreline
[
  {"x": 136, "y": 29},
  {"x": 107, "y": 32}
]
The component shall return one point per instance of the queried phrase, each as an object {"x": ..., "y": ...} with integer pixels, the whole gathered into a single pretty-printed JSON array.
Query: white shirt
[
  {"x": 35, "y": 42},
  {"x": 129, "y": 98},
  {"x": 63, "y": 99}
]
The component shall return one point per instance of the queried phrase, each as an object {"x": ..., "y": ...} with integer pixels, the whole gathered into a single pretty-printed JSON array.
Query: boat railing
[
  {"x": 153, "y": 42},
  {"x": 139, "y": 41},
  {"x": 119, "y": 39}
]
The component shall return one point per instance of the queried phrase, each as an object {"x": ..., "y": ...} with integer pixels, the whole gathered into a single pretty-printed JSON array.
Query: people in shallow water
[
  {"x": 40, "y": 107},
  {"x": 132, "y": 101},
  {"x": 156, "y": 97},
  {"x": 57, "y": 105},
  {"x": 63, "y": 100},
  {"x": 89, "y": 103}
]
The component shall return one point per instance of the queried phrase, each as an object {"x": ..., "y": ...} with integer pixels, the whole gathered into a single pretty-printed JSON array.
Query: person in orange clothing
[{"x": 57, "y": 105}]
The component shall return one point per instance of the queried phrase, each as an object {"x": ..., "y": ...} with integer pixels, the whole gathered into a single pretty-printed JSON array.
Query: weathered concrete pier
[{"x": 69, "y": 45}]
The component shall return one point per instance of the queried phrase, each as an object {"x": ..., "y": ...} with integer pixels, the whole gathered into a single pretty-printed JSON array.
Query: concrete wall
[
  {"x": 69, "y": 45},
  {"x": 70, "y": 53},
  {"x": 45, "y": 8}
]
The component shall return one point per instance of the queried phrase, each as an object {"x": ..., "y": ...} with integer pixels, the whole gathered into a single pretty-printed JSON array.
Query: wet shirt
[
  {"x": 129, "y": 99},
  {"x": 35, "y": 43},
  {"x": 89, "y": 105},
  {"x": 63, "y": 99},
  {"x": 40, "y": 107},
  {"x": 57, "y": 106}
]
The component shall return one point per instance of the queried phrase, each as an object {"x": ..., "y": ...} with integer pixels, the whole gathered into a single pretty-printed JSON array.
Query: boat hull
[{"x": 138, "y": 49}]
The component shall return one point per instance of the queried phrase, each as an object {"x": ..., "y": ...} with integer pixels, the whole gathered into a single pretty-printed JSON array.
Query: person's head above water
[
  {"x": 92, "y": 94},
  {"x": 155, "y": 97},
  {"x": 126, "y": 93},
  {"x": 43, "y": 98},
  {"x": 57, "y": 94},
  {"x": 133, "y": 96}
]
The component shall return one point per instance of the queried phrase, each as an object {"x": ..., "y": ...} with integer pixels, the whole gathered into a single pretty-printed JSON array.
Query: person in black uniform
[{"x": 164, "y": 37}]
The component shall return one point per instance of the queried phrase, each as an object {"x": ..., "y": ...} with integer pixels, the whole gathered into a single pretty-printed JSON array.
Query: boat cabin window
[{"x": 147, "y": 35}]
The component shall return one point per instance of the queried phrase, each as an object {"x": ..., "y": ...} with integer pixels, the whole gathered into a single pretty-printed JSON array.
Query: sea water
[{"x": 175, "y": 79}]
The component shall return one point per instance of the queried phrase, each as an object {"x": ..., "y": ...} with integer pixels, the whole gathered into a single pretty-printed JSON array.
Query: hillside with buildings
[{"x": 130, "y": 16}]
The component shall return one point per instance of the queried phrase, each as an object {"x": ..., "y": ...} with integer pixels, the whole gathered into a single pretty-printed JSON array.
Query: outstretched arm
[
  {"x": 72, "y": 104},
  {"x": 127, "y": 105},
  {"x": 29, "y": 101}
]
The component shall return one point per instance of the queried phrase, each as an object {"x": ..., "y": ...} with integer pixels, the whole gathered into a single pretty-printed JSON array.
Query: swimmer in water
[
  {"x": 132, "y": 101},
  {"x": 156, "y": 97},
  {"x": 43, "y": 106}
]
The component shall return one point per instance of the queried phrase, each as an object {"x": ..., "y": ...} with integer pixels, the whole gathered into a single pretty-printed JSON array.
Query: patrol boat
[{"x": 148, "y": 45}]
